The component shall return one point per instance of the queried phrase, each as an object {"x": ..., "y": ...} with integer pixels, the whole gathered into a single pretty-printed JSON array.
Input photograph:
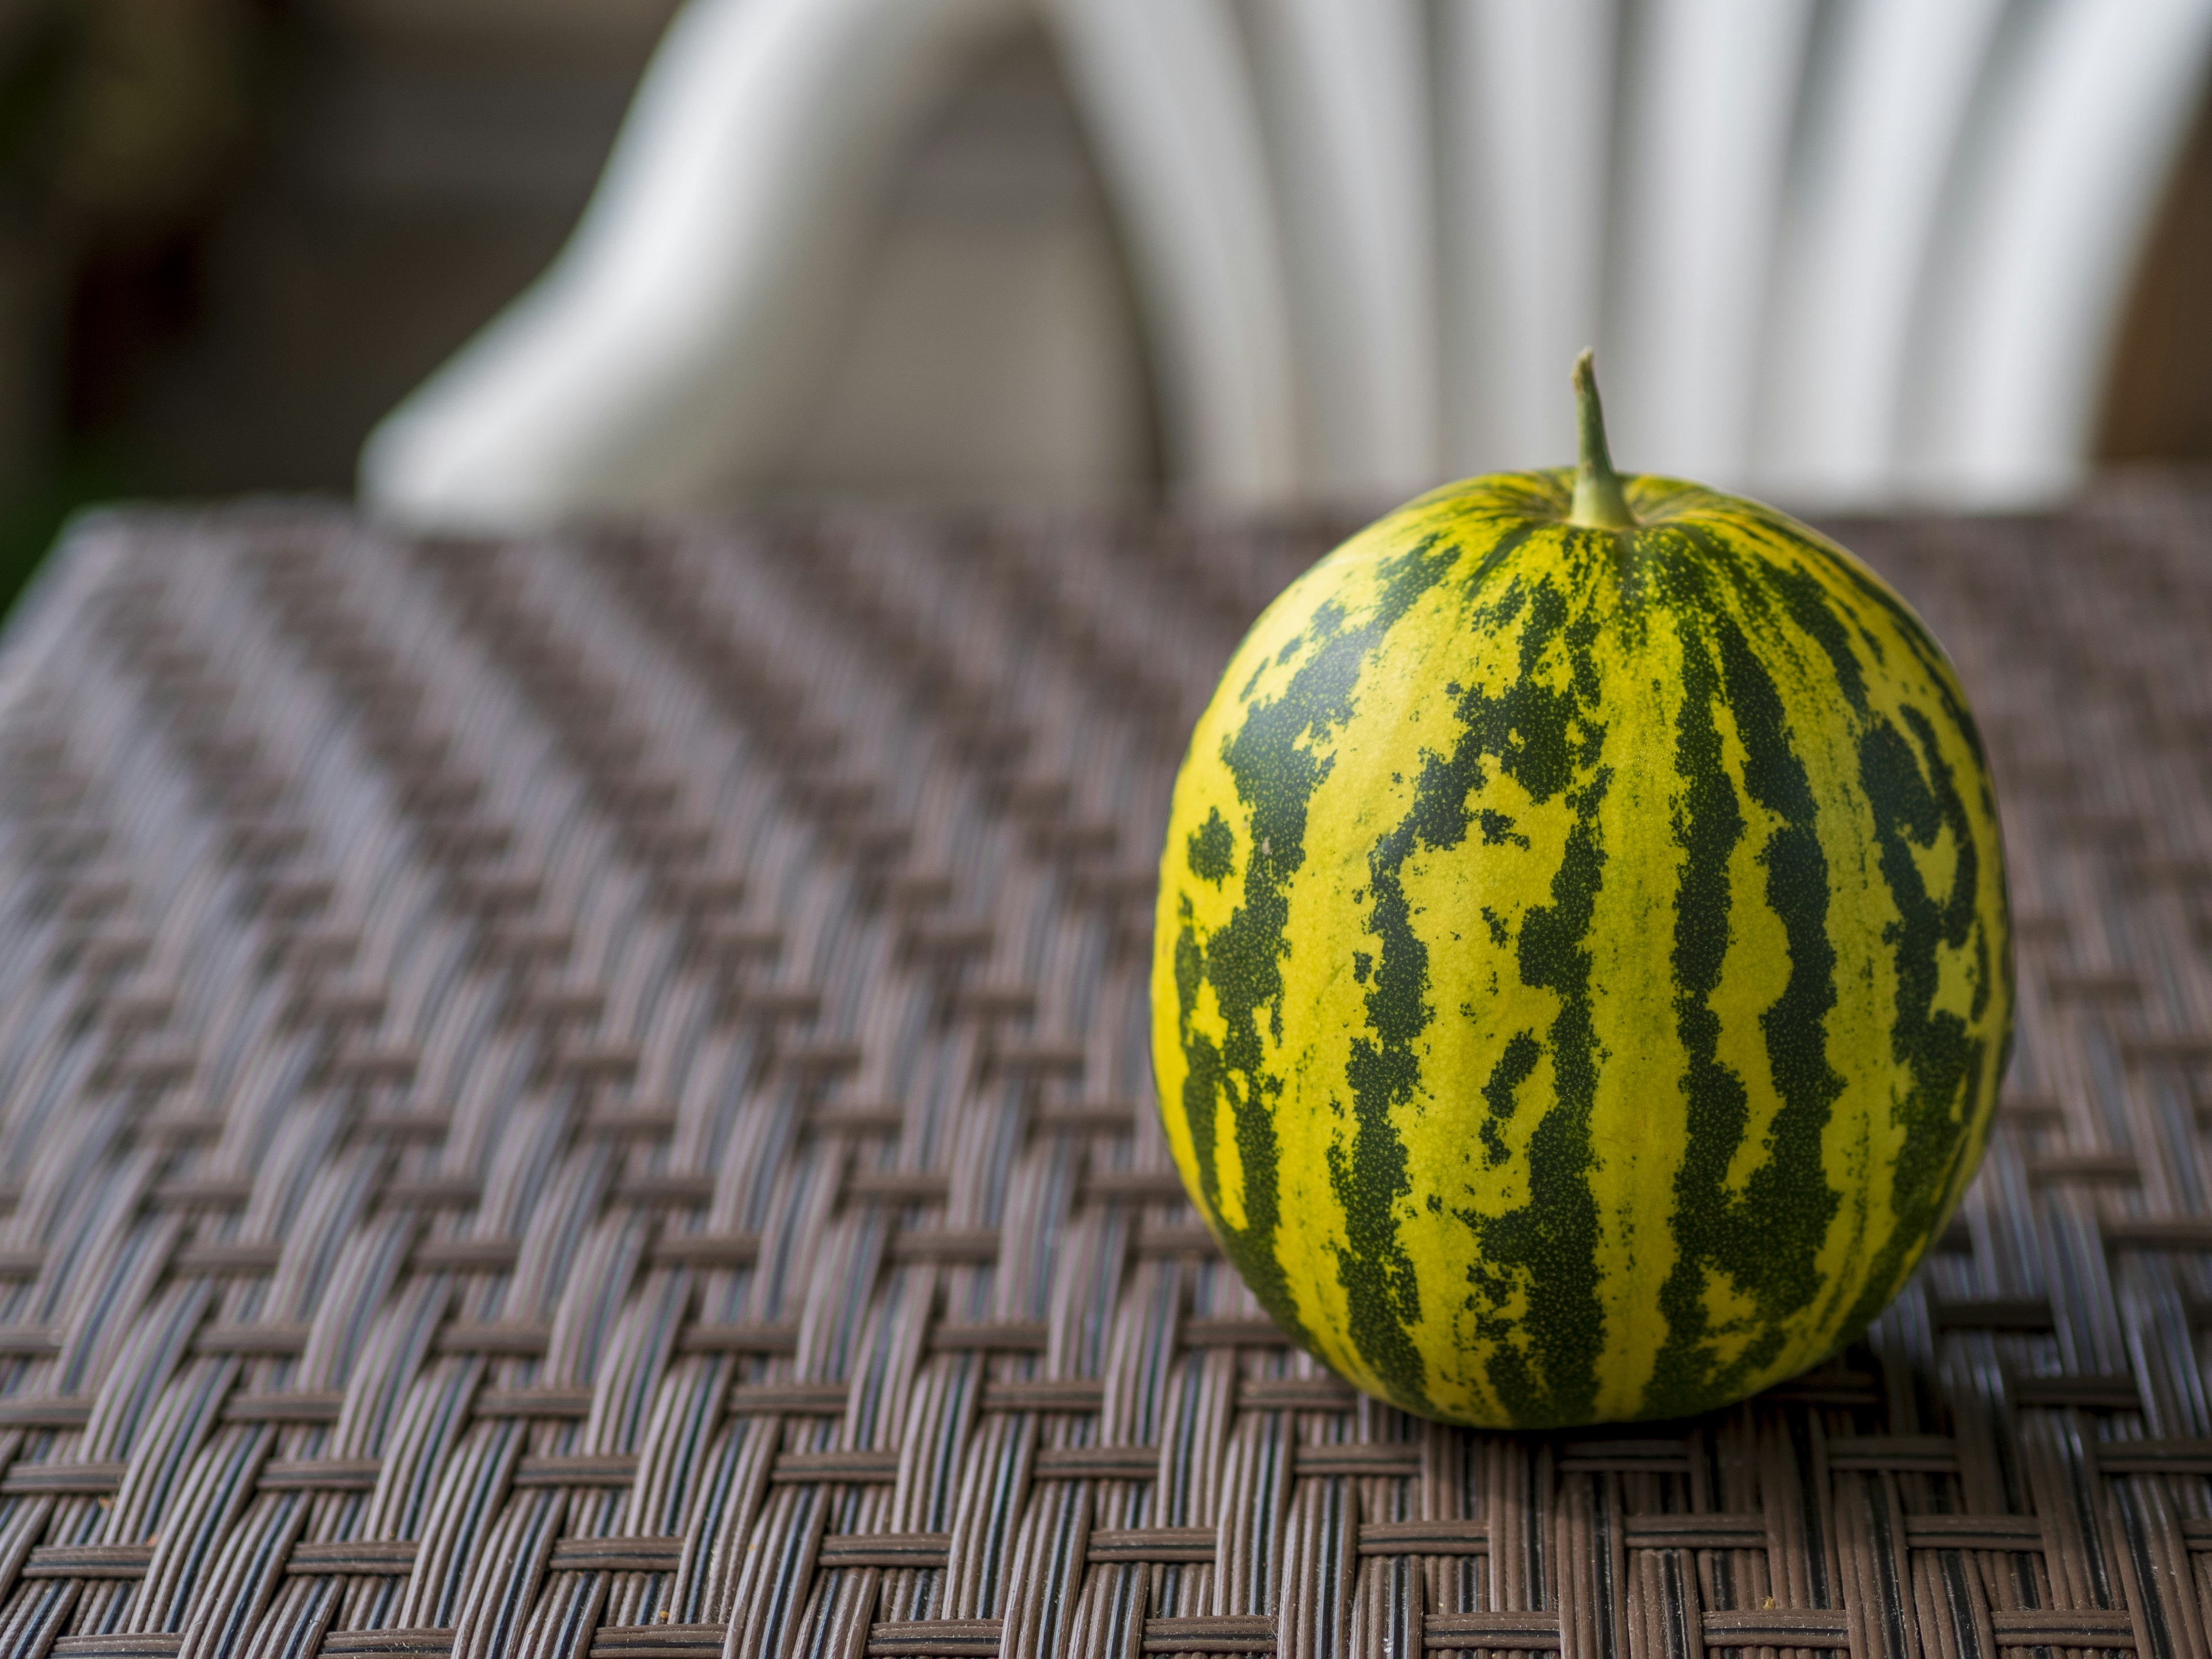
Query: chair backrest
[
  {"x": 655, "y": 361},
  {"x": 1834, "y": 250}
]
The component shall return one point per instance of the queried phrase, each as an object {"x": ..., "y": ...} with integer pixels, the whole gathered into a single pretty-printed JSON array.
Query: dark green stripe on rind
[
  {"x": 1768, "y": 1239},
  {"x": 1271, "y": 758},
  {"x": 1515, "y": 1065},
  {"x": 1942, "y": 1057},
  {"x": 1547, "y": 737},
  {"x": 1541, "y": 736}
]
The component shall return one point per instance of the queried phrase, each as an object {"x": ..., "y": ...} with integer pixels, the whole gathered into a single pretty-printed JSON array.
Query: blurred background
[{"x": 499, "y": 261}]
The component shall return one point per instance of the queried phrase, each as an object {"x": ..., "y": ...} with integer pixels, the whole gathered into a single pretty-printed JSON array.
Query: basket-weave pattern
[{"x": 591, "y": 1097}]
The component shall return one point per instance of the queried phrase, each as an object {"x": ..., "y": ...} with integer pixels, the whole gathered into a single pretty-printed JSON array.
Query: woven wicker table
[{"x": 591, "y": 1097}]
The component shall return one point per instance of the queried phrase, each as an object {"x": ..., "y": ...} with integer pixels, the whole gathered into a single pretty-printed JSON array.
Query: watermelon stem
[{"x": 1599, "y": 502}]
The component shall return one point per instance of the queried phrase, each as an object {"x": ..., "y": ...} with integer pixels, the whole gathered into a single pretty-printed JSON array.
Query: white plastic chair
[{"x": 1867, "y": 251}]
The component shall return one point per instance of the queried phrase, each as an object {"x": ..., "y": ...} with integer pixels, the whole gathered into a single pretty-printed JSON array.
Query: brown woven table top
[{"x": 591, "y": 1097}]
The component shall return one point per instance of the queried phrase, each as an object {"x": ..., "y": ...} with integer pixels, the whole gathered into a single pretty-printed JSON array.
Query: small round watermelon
[{"x": 1582, "y": 974}]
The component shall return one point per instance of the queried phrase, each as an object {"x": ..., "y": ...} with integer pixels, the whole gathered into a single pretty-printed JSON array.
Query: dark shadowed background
[{"x": 233, "y": 233}]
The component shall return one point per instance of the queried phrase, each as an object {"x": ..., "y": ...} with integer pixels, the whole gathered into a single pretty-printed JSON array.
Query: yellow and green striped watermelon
[{"x": 1583, "y": 973}]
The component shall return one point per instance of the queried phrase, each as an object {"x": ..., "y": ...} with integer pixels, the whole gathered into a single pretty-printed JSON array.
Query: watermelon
[{"x": 1583, "y": 973}]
